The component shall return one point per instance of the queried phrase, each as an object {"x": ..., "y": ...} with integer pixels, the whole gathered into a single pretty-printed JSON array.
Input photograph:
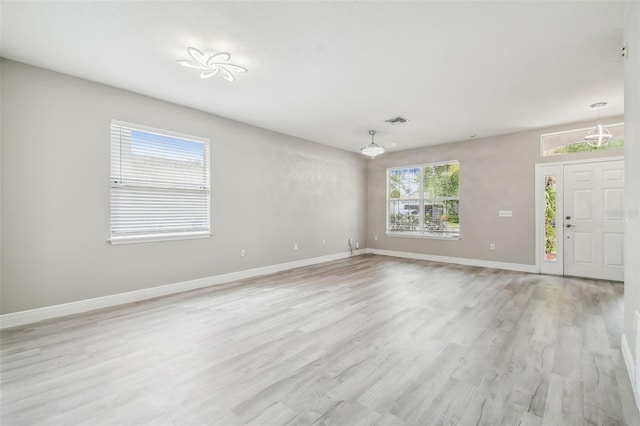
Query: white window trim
[
  {"x": 418, "y": 234},
  {"x": 162, "y": 132},
  {"x": 131, "y": 239},
  {"x": 408, "y": 234},
  {"x": 143, "y": 238}
]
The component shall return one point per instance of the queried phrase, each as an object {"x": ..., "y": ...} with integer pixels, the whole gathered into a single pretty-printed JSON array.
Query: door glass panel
[{"x": 550, "y": 238}]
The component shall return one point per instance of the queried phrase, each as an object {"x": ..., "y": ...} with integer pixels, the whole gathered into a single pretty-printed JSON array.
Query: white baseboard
[
  {"x": 457, "y": 260},
  {"x": 55, "y": 311},
  {"x": 628, "y": 361}
]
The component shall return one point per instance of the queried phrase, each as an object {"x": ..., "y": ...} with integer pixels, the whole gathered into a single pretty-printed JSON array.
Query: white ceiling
[{"x": 330, "y": 71}]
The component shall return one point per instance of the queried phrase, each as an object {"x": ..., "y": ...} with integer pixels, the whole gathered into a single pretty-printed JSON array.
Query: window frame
[
  {"x": 141, "y": 236},
  {"x": 421, "y": 232}
]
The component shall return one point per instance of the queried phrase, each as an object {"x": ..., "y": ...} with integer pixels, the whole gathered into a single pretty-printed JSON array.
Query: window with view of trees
[{"x": 424, "y": 200}]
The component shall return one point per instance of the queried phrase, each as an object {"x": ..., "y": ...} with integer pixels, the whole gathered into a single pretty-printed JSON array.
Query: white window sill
[
  {"x": 424, "y": 236},
  {"x": 132, "y": 239}
]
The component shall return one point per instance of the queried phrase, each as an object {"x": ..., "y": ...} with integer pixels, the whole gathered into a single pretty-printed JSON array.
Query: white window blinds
[{"x": 159, "y": 184}]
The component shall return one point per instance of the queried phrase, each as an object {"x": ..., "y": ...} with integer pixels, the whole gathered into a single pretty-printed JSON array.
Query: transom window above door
[{"x": 572, "y": 141}]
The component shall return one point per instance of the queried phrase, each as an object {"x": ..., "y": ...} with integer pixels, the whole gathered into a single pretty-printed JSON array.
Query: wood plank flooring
[{"x": 370, "y": 340}]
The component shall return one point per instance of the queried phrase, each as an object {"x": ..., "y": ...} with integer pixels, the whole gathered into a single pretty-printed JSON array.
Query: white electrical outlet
[
  {"x": 492, "y": 246},
  {"x": 505, "y": 213},
  {"x": 324, "y": 242},
  {"x": 357, "y": 245},
  {"x": 295, "y": 246},
  {"x": 242, "y": 253},
  {"x": 375, "y": 237}
]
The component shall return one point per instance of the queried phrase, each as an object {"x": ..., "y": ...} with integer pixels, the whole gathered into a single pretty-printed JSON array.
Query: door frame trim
[{"x": 539, "y": 199}]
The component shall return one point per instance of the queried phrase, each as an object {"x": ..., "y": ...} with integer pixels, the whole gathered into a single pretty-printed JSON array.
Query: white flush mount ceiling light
[
  {"x": 211, "y": 63},
  {"x": 373, "y": 149},
  {"x": 598, "y": 136}
]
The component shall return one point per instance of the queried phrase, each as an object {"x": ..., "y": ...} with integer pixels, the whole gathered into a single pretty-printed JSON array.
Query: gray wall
[
  {"x": 496, "y": 173},
  {"x": 269, "y": 191},
  {"x": 632, "y": 171}
]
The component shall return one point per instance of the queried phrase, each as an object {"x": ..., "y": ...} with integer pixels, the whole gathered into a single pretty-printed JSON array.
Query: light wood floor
[{"x": 366, "y": 340}]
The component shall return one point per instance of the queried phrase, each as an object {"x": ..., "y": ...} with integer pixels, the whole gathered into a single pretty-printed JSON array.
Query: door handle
[{"x": 568, "y": 225}]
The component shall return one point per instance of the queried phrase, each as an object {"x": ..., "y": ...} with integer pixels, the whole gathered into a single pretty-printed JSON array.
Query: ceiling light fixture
[
  {"x": 598, "y": 136},
  {"x": 373, "y": 149},
  {"x": 211, "y": 63}
]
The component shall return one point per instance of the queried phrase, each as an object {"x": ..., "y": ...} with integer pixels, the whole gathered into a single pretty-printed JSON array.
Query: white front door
[{"x": 593, "y": 220}]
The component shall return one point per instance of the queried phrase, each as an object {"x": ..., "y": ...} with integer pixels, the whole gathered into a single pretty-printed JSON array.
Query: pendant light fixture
[
  {"x": 598, "y": 136},
  {"x": 373, "y": 148}
]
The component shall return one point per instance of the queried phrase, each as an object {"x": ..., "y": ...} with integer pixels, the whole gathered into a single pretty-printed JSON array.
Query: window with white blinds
[{"x": 159, "y": 184}]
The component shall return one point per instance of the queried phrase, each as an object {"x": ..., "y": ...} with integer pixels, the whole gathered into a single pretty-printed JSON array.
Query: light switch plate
[{"x": 505, "y": 213}]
